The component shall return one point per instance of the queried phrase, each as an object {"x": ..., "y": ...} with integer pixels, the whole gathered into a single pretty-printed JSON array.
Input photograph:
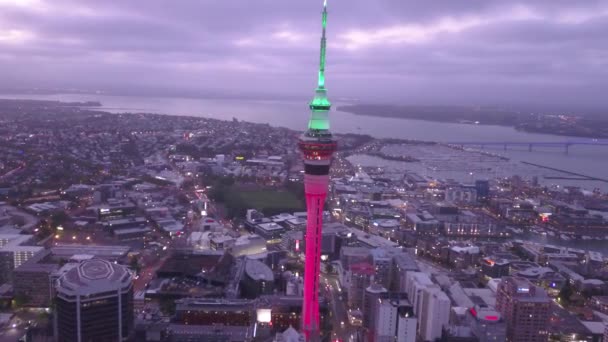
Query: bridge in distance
[{"x": 531, "y": 144}]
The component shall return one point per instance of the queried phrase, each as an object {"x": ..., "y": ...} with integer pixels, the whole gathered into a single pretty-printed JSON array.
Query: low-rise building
[
  {"x": 486, "y": 324},
  {"x": 270, "y": 231},
  {"x": 15, "y": 250},
  {"x": 32, "y": 280},
  {"x": 257, "y": 280}
]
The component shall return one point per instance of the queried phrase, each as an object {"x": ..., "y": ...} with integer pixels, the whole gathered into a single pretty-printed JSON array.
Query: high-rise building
[
  {"x": 373, "y": 294},
  {"x": 416, "y": 282},
  {"x": 361, "y": 276},
  {"x": 317, "y": 145},
  {"x": 403, "y": 263},
  {"x": 483, "y": 189},
  {"x": 94, "y": 302},
  {"x": 435, "y": 314},
  {"x": 486, "y": 323},
  {"x": 395, "y": 321},
  {"x": 525, "y": 308},
  {"x": 383, "y": 264}
]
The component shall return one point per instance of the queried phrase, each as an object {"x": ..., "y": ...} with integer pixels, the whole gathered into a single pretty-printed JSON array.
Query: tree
[
  {"x": 188, "y": 184},
  {"x": 59, "y": 218},
  {"x": 135, "y": 264},
  {"x": 295, "y": 266},
  {"x": 566, "y": 292},
  {"x": 296, "y": 188},
  {"x": 20, "y": 300},
  {"x": 167, "y": 306}
]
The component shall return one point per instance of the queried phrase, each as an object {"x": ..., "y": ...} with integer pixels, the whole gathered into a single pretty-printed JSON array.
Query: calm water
[{"x": 588, "y": 160}]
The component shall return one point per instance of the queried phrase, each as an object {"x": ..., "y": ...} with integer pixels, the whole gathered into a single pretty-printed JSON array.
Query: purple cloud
[{"x": 435, "y": 51}]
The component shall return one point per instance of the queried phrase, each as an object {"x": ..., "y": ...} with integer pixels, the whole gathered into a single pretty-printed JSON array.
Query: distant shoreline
[{"x": 585, "y": 128}]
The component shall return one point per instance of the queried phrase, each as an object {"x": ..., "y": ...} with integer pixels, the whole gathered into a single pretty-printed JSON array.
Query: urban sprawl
[{"x": 165, "y": 228}]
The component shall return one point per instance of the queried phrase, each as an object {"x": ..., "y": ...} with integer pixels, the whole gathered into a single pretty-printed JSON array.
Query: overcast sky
[{"x": 412, "y": 51}]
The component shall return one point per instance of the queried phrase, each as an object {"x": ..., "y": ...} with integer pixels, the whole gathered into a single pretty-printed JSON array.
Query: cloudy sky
[{"x": 444, "y": 51}]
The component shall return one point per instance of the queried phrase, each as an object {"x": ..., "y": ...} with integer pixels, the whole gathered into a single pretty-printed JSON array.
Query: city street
[{"x": 342, "y": 329}]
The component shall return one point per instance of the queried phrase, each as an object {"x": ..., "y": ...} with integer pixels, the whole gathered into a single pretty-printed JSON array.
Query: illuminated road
[
  {"x": 147, "y": 274},
  {"x": 342, "y": 330},
  {"x": 13, "y": 171}
]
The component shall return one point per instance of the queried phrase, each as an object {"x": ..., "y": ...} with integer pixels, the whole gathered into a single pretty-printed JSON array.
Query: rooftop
[
  {"x": 37, "y": 264},
  {"x": 270, "y": 226},
  {"x": 94, "y": 276},
  {"x": 363, "y": 268},
  {"x": 372, "y": 240},
  {"x": 524, "y": 290},
  {"x": 355, "y": 251},
  {"x": 375, "y": 288},
  {"x": 117, "y": 222},
  {"x": 126, "y": 231},
  {"x": 15, "y": 243},
  {"x": 257, "y": 270},
  {"x": 99, "y": 251}
]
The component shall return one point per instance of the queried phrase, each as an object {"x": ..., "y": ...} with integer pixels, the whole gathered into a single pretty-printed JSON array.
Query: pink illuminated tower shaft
[
  {"x": 317, "y": 145},
  {"x": 316, "y": 191}
]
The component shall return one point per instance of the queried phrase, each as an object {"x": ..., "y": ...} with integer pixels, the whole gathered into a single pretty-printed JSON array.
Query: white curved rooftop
[{"x": 257, "y": 270}]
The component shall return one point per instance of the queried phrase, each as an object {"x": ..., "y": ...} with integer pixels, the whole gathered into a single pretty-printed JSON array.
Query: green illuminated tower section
[{"x": 320, "y": 105}]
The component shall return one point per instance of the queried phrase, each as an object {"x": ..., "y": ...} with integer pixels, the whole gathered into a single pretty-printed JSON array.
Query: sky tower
[{"x": 317, "y": 146}]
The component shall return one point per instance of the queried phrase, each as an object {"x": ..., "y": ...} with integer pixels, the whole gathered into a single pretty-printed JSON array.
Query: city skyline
[
  {"x": 457, "y": 53},
  {"x": 192, "y": 211}
]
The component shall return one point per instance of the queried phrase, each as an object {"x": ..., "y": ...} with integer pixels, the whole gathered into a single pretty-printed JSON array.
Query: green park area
[{"x": 270, "y": 201}]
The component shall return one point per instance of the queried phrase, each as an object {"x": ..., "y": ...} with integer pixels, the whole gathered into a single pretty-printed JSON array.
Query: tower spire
[
  {"x": 320, "y": 104},
  {"x": 321, "y": 83}
]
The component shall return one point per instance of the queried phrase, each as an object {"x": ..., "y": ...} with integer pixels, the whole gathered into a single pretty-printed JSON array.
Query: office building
[
  {"x": 94, "y": 302},
  {"x": 486, "y": 324},
  {"x": 32, "y": 280},
  {"x": 15, "y": 249},
  {"x": 403, "y": 264},
  {"x": 353, "y": 255},
  {"x": 361, "y": 276},
  {"x": 495, "y": 267},
  {"x": 395, "y": 321},
  {"x": 105, "y": 252},
  {"x": 383, "y": 264},
  {"x": 270, "y": 231},
  {"x": 208, "y": 333},
  {"x": 257, "y": 280},
  {"x": 525, "y": 308},
  {"x": 435, "y": 313},
  {"x": 215, "y": 312},
  {"x": 461, "y": 194},
  {"x": 415, "y": 283},
  {"x": 483, "y": 189},
  {"x": 373, "y": 294},
  {"x": 289, "y": 335}
]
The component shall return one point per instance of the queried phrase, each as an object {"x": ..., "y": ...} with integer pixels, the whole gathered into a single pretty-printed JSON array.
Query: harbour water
[{"x": 591, "y": 245}]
